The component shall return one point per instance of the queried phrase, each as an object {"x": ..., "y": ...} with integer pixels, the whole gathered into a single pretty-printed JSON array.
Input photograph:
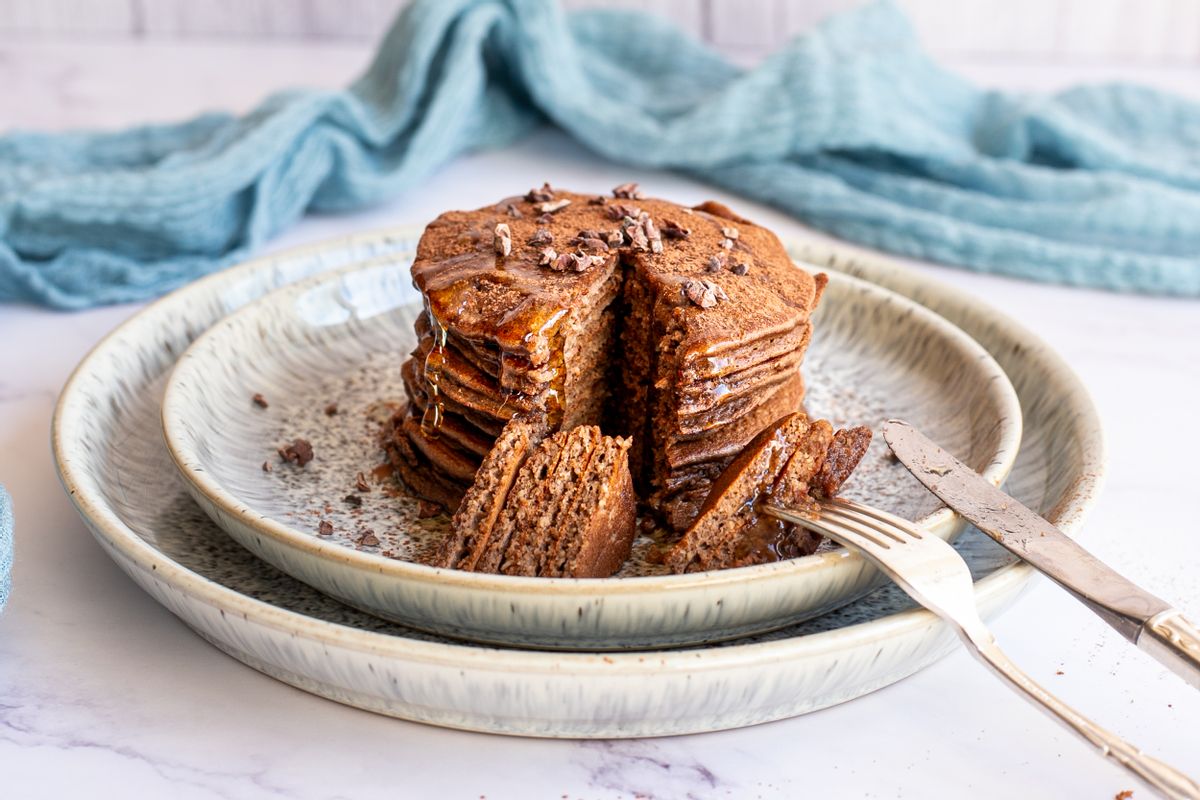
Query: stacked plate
[{"x": 174, "y": 468}]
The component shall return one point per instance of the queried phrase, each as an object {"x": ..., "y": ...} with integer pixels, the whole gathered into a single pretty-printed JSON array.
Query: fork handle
[{"x": 1167, "y": 780}]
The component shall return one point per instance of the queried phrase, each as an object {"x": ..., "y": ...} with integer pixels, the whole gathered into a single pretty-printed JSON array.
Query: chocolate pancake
[{"x": 682, "y": 329}]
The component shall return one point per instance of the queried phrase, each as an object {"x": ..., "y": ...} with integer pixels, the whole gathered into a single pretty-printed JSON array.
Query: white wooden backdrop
[{"x": 1078, "y": 31}]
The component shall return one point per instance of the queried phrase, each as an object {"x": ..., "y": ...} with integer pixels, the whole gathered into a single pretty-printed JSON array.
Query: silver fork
[{"x": 935, "y": 575}]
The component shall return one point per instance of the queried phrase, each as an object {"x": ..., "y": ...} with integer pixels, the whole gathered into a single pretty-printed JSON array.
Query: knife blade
[{"x": 1142, "y": 618}]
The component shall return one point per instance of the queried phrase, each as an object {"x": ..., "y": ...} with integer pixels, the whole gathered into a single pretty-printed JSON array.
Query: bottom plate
[{"x": 114, "y": 466}]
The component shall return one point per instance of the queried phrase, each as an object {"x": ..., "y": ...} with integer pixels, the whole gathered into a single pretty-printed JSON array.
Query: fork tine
[
  {"x": 849, "y": 506},
  {"x": 849, "y": 516},
  {"x": 842, "y": 530},
  {"x": 864, "y": 529}
]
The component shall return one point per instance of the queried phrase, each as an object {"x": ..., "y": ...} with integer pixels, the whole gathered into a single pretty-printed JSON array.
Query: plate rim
[
  {"x": 180, "y": 447},
  {"x": 116, "y": 537}
]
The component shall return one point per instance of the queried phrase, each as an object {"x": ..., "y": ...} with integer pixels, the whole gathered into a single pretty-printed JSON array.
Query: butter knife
[{"x": 1149, "y": 622}]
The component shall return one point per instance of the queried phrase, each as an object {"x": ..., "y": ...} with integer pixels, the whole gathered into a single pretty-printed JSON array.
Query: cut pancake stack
[{"x": 682, "y": 329}]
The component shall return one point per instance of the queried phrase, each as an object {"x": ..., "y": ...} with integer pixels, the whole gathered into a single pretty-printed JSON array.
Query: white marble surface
[{"x": 104, "y": 694}]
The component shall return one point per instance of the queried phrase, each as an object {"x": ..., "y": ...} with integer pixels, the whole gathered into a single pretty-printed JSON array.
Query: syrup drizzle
[
  {"x": 435, "y": 362},
  {"x": 765, "y": 538},
  {"x": 526, "y": 335}
]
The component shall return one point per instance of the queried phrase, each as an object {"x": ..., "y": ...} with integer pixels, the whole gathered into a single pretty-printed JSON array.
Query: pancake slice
[
  {"x": 794, "y": 462},
  {"x": 595, "y": 537},
  {"x": 559, "y": 506},
  {"x": 538, "y": 519},
  {"x": 529, "y": 492},
  {"x": 472, "y": 524}
]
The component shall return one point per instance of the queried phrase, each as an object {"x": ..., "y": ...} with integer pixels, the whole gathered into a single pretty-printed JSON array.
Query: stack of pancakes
[{"x": 682, "y": 329}]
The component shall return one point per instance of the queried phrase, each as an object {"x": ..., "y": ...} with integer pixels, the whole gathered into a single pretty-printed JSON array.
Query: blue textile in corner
[
  {"x": 851, "y": 128},
  {"x": 6, "y": 546}
]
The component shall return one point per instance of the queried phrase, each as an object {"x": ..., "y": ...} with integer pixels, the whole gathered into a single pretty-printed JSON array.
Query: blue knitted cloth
[{"x": 851, "y": 128}]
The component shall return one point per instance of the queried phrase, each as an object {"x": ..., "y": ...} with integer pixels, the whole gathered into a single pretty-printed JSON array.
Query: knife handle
[{"x": 1175, "y": 642}]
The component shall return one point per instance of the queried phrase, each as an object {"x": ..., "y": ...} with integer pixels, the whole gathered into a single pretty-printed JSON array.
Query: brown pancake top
[{"x": 730, "y": 281}]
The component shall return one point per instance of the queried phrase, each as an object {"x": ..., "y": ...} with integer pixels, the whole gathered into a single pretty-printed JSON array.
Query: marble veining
[{"x": 650, "y": 770}]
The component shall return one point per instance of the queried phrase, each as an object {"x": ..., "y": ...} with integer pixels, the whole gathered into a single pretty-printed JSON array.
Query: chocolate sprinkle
[
  {"x": 590, "y": 240},
  {"x": 562, "y": 262},
  {"x": 502, "y": 240},
  {"x": 352, "y": 500},
  {"x": 635, "y": 232},
  {"x": 260, "y": 401},
  {"x": 652, "y": 235},
  {"x": 673, "y": 230},
  {"x": 331, "y": 410},
  {"x": 427, "y": 509},
  {"x": 584, "y": 261},
  {"x": 627, "y": 191},
  {"x": 324, "y": 528},
  {"x": 299, "y": 452},
  {"x": 619, "y": 211},
  {"x": 541, "y": 236},
  {"x": 578, "y": 261},
  {"x": 267, "y": 466},
  {"x": 703, "y": 293},
  {"x": 540, "y": 195},
  {"x": 552, "y": 206}
]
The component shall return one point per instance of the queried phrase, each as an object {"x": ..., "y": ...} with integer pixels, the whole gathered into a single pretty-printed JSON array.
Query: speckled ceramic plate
[
  {"x": 110, "y": 456},
  {"x": 339, "y": 339}
]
